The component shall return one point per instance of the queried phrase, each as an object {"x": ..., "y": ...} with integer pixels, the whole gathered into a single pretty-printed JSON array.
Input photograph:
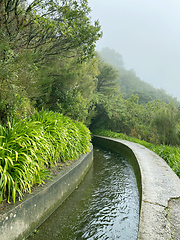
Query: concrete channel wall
[
  {"x": 18, "y": 220},
  {"x": 159, "y": 189}
]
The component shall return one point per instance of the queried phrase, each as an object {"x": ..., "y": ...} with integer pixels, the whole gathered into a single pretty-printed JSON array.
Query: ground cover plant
[
  {"x": 169, "y": 153},
  {"x": 30, "y": 146}
]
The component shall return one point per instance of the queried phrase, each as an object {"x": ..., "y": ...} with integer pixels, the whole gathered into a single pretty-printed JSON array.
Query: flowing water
[{"x": 104, "y": 206}]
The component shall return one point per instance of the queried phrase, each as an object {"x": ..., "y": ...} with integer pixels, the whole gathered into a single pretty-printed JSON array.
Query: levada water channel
[{"x": 104, "y": 206}]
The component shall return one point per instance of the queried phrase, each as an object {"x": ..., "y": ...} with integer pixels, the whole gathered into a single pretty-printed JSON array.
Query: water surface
[{"x": 104, "y": 206}]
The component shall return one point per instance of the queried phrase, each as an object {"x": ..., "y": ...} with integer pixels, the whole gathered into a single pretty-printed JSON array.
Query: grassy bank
[
  {"x": 170, "y": 154},
  {"x": 29, "y": 147}
]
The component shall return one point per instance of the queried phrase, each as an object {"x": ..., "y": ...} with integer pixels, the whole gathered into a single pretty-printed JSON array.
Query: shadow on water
[{"x": 104, "y": 206}]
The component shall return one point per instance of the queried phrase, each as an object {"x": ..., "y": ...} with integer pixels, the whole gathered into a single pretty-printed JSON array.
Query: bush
[{"x": 30, "y": 146}]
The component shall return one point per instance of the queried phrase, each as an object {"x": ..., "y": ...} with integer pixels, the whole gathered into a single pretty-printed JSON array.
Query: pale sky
[{"x": 147, "y": 35}]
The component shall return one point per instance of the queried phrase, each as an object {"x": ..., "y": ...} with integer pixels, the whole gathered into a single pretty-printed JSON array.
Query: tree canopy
[
  {"x": 34, "y": 38},
  {"x": 48, "y": 61},
  {"x": 131, "y": 84},
  {"x": 49, "y": 27}
]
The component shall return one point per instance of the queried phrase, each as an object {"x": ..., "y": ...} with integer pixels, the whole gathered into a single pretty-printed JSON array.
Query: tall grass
[
  {"x": 169, "y": 153},
  {"x": 30, "y": 146}
]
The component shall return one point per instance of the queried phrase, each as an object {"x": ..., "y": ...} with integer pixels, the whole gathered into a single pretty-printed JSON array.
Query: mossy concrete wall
[
  {"x": 158, "y": 185},
  {"x": 20, "y": 219}
]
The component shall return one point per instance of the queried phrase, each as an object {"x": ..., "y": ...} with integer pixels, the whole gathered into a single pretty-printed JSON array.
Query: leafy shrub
[{"x": 30, "y": 146}]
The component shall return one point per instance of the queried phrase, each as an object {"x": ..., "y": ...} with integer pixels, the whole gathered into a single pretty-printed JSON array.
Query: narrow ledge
[{"x": 173, "y": 216}]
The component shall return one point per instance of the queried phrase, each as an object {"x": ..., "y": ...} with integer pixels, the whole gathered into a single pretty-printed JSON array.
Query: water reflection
[{"x": 104, "y": 206}]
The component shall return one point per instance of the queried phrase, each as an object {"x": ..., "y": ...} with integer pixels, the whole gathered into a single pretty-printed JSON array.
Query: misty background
[{"x": 147, "y": 35}]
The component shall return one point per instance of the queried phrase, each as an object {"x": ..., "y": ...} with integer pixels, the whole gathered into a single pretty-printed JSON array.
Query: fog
[{"x": 147, "y": 35}]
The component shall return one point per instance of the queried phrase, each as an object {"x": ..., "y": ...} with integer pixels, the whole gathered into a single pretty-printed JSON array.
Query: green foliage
[
  {"x": 106, "y": 94},
  {"x": 106, "y": 79},
  {"x": 65, "y": 137},
  {"x": 50, "y": 27},
  {"x": 42, "y": 44},
  {"x": 156, "y": 122},
  {"x": 139, "y": 111},
  {"x": 112, "y": 57},
  {"x": 170, "y": 154},
  {"x": 72, "y": 87},
  {"x": 165, "y": 121},
  {"x": 72, "y": 104},
  {"x": 17, "y": 82},
  {"x": 131, "y": 84},
  {"x": 29, "y": 146}
]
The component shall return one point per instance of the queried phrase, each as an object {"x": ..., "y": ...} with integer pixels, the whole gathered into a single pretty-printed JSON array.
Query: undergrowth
[{"x": 29, "y": 147}]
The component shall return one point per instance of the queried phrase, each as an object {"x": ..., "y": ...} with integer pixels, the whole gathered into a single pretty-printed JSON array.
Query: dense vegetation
[
  {"x": 30, "y": 146},
  {"x": 49, "y": 74},
  {"x": 157, "y": 121},
  {"x": 131, "y": 84},
  {"x": 46, "y": 51},
  {"x": 46, "y": 62},
  {"x": 170, "y": 154}
]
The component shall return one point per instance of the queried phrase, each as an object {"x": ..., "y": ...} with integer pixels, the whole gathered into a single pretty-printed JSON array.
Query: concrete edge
[
  {"x": 157, "y": 184},
  {"x": 22, "y": 218}
]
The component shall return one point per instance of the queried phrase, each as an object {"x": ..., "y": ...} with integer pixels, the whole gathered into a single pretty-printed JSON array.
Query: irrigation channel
[{"x": 104, "y": 206}]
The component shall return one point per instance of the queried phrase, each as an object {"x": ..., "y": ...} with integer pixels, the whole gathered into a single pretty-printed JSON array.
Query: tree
[
  {"x": 112, "y": 57},
  {"x": 72, "y": 87},
  {"x": 107, "y": 84},
  {"x": 165, "y": 121},
  {"x": 107, "y": 92},
  {"x": 50, "y": 27},
  {"x": 33, "y": 37},
  {"x": 131, "y": 84}
]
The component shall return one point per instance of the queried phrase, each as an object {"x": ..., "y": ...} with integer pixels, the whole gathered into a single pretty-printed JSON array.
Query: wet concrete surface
[
  {"x": 160, "y": 211},
  {"x": 174, "y": 218}
]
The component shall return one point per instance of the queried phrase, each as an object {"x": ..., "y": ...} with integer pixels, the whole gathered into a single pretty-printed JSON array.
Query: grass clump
[
  {"x": 169, "y": 153},
  {"x": 30, "y": 146}
]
